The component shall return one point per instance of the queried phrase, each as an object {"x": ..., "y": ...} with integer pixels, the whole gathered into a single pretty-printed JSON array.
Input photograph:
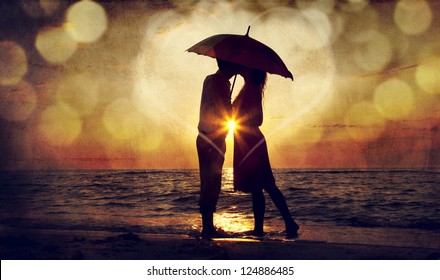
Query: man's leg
[
  {"x": 210, "y": 166},
  {"x": 258, "y": 207}
]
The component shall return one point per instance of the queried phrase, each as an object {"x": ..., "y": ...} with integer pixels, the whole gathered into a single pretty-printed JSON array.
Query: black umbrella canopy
[{"x": 243, "y": 50}]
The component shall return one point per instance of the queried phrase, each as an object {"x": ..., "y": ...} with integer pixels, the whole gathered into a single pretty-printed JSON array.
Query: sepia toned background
[{"x": 108, "y": 84}]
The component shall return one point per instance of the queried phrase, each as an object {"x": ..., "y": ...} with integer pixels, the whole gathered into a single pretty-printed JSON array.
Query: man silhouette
[{"x": 215, "y": 110}]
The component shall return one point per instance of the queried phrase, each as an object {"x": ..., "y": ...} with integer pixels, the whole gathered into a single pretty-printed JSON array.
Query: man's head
[{"x": 229, "y": 69}]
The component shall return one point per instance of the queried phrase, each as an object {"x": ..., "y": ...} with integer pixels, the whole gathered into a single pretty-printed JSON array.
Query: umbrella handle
[{"x": 233, "y": 84}]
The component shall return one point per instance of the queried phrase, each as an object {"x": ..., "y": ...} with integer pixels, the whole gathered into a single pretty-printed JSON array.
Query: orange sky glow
[{"x": 108, "y": 84}]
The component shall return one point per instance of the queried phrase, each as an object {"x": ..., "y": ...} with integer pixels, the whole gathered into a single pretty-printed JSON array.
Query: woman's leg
[
  {"x": 259, "y": 207},
  {"x": 280, "y": 202}
]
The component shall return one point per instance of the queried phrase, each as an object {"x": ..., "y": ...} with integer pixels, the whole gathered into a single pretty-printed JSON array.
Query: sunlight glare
[
  {"x": 373, "y": 51},
  {"x": 427, "y": 76},
  {"x": 86, "y": 21},
  {"x": 60, "y": 125},
  {"x": 233, "y": 222},
  {"x": 232, "y": 125},
  {"x": 413, "y": 16},
  {"x": 80, "y": 91},
  {"x": 394, "y": 99},
  {"x": 13, "y": 63},
  {"x": 55, "y": 44}
]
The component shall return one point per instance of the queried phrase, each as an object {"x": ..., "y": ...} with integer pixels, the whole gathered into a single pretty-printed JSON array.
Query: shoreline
[{"x": 18, "y": 244}]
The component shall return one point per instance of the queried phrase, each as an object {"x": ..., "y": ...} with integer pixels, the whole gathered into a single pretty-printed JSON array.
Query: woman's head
[
  {"x": 258, "y": 77},
  {"x": 255, "y": 77}
]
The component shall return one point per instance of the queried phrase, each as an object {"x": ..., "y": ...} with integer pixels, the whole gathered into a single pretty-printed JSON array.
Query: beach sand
[{"x": 314, "y": 243}]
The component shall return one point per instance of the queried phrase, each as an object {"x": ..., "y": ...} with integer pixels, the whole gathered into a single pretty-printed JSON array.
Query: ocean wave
[
  {"x": 115, "y": 198},
  {"x": 119, "y": 204},
  {"x": 371, "y": 223}
]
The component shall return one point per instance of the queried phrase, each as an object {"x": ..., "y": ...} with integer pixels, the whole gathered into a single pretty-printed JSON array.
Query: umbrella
[{"x": 243, "y": 50}]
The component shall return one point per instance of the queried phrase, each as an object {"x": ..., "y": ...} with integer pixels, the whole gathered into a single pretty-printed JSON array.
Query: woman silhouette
[{"x": 252, "y": 170}]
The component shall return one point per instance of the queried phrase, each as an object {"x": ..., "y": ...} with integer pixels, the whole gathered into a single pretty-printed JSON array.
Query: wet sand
[{"x": 314, "y": 243}]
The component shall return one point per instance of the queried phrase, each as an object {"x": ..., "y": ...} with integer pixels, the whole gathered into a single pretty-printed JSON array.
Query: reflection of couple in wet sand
[{"x": 252, "y": 170}]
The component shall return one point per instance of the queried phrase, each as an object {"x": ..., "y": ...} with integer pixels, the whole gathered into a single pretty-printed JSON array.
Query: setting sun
[{"x": 231, "y": 126}]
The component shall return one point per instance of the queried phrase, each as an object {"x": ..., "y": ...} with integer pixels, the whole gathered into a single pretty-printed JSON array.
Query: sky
[{"x": 109, "y": 84}]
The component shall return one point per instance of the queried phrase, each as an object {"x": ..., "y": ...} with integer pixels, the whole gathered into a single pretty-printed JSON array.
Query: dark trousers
[{"x": 211, "y": 152}]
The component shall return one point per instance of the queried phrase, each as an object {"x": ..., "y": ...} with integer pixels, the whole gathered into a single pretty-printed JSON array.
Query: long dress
[{"x": 252, "y": 170}]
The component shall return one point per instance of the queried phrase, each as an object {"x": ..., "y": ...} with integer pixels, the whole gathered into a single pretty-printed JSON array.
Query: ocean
[{"x": 165, "y": 201}]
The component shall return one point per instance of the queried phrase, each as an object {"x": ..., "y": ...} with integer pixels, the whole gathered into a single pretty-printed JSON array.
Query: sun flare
[{"x": 231, "y": 126}]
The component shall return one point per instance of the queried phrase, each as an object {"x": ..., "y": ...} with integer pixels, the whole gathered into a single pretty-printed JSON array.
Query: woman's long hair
[{"x": 259, "y": 77}]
